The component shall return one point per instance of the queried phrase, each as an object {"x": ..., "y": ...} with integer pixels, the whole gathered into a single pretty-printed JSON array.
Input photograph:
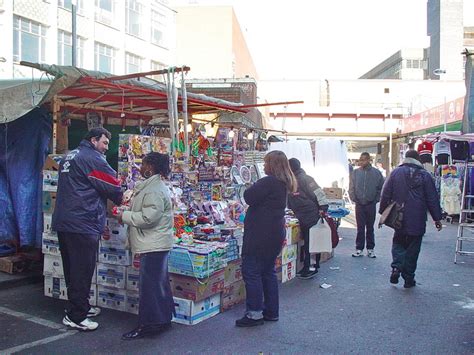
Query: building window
[
  {"x": 67, "y": 4},
  {"x": 157, "y": 66},
  {"x": 133, "y": 63},
  {"x": 65, "y": 49},
  {"x": 104, "y": 11},
  {"x": 29, "y": 40},
  {"x": 133, "y": 15},
  {"x": 104, "y": 58},
  {"x": 158, "y": 28}
]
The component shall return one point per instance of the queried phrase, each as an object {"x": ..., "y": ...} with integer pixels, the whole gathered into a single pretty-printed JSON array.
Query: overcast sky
[{"x": 330, "y": 39}]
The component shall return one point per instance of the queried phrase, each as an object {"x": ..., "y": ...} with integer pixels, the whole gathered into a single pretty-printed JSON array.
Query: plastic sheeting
[
  {"x": 331, "y": 163},
  {"x": 23, "y": 149}
]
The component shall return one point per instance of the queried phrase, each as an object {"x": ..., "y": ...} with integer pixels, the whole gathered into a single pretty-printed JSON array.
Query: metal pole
[
  {"x": 390, "y": 144},
  {"x": 74, "y": 34},
  {"x": 445, "y": 114}
]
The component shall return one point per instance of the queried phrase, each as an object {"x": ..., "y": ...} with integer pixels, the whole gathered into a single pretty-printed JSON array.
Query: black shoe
[
  {"x": 247, "y": 322},
  {"x": 145, "y": 330},
  {"x": 270, "y": 319},
  {"x": 394, "y": 276},
  {"x": 409, "y": 283},
  {"x": 307, "y": 275}
]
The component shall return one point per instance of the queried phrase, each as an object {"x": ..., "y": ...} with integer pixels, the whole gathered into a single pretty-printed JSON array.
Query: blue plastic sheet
[{"x": 23, "y": 150}]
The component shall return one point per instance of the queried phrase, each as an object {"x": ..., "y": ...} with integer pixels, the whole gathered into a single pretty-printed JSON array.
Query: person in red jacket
[{"x": 85, "y": 183}]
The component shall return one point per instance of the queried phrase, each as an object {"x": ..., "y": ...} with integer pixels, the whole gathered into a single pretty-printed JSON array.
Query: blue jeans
[
  {"x": 261, "y": 286},
  {"x": 365, "y": 218},
  {"x": 405, "y": 251}
]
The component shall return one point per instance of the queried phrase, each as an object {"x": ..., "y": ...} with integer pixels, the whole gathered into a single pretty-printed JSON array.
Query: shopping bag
[
  {"x": 320, "y": 238},
  {"x": 392, "y": 216}
]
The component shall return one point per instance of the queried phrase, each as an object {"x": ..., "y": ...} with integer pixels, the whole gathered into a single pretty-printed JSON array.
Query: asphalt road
[{"x": 360, "y": 313}]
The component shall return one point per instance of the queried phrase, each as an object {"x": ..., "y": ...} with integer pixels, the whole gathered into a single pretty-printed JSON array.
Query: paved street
[{"x": 361, "y": 313}]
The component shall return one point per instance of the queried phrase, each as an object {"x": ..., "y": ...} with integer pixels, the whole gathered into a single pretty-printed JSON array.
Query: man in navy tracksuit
[
  {"x": 365, "y": 185},
  {"x": 85, "y": 183},
  {"x": 411, "y": 185}
]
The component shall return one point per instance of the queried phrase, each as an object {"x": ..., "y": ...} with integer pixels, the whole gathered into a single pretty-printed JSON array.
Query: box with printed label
[
  {"x": 50, "y": 245},
  {"x": 50, "y": 180},
  {"x": 113, "y": 255},
  {"x": 53, "y": 266},
  {"x": 111, "y": 297},
  {"x": 288, "y": 253},
  {"x": 288, "y": 271},
  {"x": 132, "y": 301},
  {"x": 55, "y": 287},
  {"x": 133, "y": 278},
  {"x": 191, "y": 312},
  {"x": 232, "y": 295},
  {"x": 47, "y": 223},
  {"x": 233, "y": 272},
  {"x": 51, "y": 235},
  {"x": 49, "y": 201},
  {"x": 115, "y": 234},
  {"x": 292, "y": 234},
  {"x": 333, "y": 193},
  {"x": 111, "y": 275},
  {"x": 196, "y": 289}
]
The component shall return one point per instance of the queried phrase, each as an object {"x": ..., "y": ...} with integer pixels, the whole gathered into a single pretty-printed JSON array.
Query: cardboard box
[
  {"x": 293, "y": 235},
  {"x": 191, "y": 312},
  {"x": 114, "y": 255},
  {"x": 47, "y": 223},
  {"x": 194, "y": 289},
  {"x": 232, "y": 295},
  {"x": 52, "y": 235},
  {"x": 49, "y": 201},
  {"x": 133, "y": 278},
  {"x": 53, "y": 266},
  {"x": 333, "y": 192},
  {"x": 50, "y": 180},
  {"x": 13, "y": 264},
  {"x": 50, "y": 245},
  {"x": 55, "y": 287},
  {"x": 111, "y": 275},
  {"x": 233, "y": 272},
  {"x": 115, "y": 234},
  {"x": 52, "y": 162},
  {"x": 133, "y": 301},
  {"x": 289, "y": 253},
  {"x": 112, "y": 298},
  {"x": 288, "y": 272}
]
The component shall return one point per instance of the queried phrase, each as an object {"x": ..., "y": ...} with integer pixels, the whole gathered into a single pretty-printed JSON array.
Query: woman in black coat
[{"x": 264, "y": 233}]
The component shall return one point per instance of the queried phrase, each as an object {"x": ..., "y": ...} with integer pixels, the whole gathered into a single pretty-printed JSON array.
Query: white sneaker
[
  {"x": 370, "y": 253},
  {"x": 93, "y": 312},
  {"x": 85, "y": 325},
  {"x": 357, "y": 253}
]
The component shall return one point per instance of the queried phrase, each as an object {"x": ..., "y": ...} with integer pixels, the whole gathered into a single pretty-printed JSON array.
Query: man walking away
[
  {"x": 85, "y": 183},
  {"x": 365, "y": 185},
  {"x": 309, "y": 203},
  {"x": 410, "y": 184}
]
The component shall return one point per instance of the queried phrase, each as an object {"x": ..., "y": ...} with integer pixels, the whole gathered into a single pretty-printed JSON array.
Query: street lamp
[{"x": 439, "y": 72}]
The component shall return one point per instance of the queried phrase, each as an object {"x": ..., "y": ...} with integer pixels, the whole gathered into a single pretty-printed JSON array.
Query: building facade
[
  {"x": 113, "y": 36},
  {"x": 211, "y": 42}
]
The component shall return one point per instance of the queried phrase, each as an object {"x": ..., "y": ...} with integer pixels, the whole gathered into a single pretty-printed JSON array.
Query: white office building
[{"x": 113, "y": 36}]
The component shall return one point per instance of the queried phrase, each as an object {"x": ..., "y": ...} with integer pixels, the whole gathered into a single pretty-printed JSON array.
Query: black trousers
[
  {"x": 365, "y": 219},
  {"x": 79, "y": 255},
  {"x": 156, "y": 305},
  {"x": 307, "y": 256},
  {"x": 405, "y": 251}
]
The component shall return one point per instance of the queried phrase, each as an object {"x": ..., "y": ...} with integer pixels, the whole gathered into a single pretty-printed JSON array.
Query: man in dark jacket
[
  {"x": 365, "y": 185},
  {"x": 85, "y": 183},
  {"x": 308, "y": 204},
  {"x": 410, "y": 184}
]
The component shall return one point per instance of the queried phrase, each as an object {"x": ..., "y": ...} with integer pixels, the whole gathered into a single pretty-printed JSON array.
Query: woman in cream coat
[{"x": 150, "y": 233}]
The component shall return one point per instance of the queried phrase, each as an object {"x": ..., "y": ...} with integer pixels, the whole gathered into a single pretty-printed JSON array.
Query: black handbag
[{"x": 392, "y": 216}]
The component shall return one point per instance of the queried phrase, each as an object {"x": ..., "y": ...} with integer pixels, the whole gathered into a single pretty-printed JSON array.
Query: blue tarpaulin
[{"x": 23, "y": 149}]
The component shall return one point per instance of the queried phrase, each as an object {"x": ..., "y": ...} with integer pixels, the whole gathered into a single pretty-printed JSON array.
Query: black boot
[
  {"x": 145, "y": 330},
  {"x": 409, "y": 283},
  {"x": 248, "y": 322},
  {"x": 394, "y": 276}
]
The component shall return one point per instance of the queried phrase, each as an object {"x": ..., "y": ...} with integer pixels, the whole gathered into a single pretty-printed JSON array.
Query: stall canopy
[{"x": 79, "y": 91}]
